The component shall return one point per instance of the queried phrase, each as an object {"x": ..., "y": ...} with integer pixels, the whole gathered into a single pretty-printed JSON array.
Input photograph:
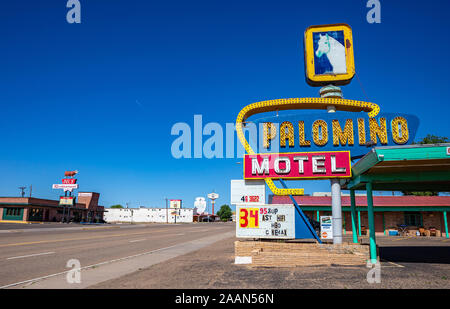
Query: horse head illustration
[{"x": 335, "y": 52}]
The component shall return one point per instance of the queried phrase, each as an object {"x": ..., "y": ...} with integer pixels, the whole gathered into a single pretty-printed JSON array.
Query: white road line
[
  {"x": 395, "y": 264},
  {"x": 25, "y": 256},
  {"x": 137, "y": 240}
]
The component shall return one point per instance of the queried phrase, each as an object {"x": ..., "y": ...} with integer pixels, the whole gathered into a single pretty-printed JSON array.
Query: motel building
[
  {"x": 394, "y": 215},
  {"x": 31, "y": 209}
]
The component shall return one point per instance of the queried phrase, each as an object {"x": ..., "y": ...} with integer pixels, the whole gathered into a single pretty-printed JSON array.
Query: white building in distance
[{"x": 149, "y": 215}]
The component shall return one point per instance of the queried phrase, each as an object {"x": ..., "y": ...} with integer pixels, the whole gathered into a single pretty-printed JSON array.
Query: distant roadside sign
[
  {"x": 248, "y": 192},
  {"x": 175, "y": 204},
  {"x": 66, "y": 187},
  {"x": 299, "y": 165},
  {"x": 67, "y": 201},
  {"x": 213, "y": 196},
  {"x": 69, "y": 180}
]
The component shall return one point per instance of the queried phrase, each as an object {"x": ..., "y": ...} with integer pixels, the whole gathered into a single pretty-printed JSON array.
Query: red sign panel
[
  {"x": 299, "y": 165},
  {"x": 68, "y": 181}
]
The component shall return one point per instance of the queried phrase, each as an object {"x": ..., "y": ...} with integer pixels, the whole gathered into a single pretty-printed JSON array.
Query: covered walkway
[{"x": 398, "y": 168}]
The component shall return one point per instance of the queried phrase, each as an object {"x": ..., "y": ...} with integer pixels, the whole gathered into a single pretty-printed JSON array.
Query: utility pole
[
  {"x": 167, "y": 211},
  {"x": 31, "y": 189}
]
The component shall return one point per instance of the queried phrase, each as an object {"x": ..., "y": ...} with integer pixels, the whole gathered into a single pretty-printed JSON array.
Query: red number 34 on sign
[{"x": 248, "y": 218}]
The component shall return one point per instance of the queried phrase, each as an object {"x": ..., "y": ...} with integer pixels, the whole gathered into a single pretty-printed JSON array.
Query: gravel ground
[{"x": 212, "y": 267}]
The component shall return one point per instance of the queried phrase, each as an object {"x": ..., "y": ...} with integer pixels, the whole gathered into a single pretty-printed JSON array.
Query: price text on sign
[
  {"x": 250, "y": 199},
  {"x": 249, "y": 218}
]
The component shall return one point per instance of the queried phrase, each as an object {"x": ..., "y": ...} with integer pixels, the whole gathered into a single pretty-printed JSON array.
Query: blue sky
[{"x": 101, "y": 96}]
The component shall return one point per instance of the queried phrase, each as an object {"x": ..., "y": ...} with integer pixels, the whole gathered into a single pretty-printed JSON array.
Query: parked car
[{"x": 208, "y": 219}]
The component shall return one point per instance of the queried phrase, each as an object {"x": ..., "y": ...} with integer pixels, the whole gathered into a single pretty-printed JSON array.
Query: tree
[
  {"x": 116, "y": 206},
  {"x": 429, "y": 139},
  {"x": 433, "y": 139},
  {"x": 225, "y": 213},
  {"x": 420, "y": 193}
]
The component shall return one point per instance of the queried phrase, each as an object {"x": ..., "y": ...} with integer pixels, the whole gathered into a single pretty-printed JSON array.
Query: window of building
[
  {"x": 13, "y": 211},
  {"x": 413, "y": 219}
]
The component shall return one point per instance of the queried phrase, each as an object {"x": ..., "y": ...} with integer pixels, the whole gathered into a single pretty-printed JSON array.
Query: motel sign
[{"x": 312, "y": 165}]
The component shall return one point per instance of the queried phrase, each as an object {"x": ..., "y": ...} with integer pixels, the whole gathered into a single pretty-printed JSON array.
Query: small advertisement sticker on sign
[{"x": 326, "y": 227}]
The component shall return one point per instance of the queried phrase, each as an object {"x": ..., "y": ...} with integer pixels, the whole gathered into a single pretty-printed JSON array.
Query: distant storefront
[
  {"x": 30, "y": 209},
  {"x": 393, "y": 214}
]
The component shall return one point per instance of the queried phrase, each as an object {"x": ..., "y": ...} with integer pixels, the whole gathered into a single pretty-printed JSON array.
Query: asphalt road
[{"x": 28, "y": 255}]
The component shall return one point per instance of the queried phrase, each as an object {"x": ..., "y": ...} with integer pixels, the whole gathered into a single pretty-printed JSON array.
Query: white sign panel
[
  {"x": 84, "y": 194},
  {"x": 65, "y": 186},
  {"x": 213, "y": 196},
  {"x": 265, "y": 221},
  {"x": 248, "y": 192},
  {"x": 326, "y": 227}
]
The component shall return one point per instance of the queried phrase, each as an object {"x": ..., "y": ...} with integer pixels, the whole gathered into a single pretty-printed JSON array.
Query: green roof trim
[
  {"x": 400, "y": 153},
  {"x": 411, "y": 180},
  {"x": 413, "y": 152}
]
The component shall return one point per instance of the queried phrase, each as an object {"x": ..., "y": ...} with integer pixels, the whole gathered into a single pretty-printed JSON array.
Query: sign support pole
[
  {"x": 359, "y": 223},
  {"x": 336, "y": 210},
  {"x": 353, "y": 212},
  {"x": 373, "y": 243},
  {"x": 336, "y": 206},
  {"x": 445, "y": 223}
]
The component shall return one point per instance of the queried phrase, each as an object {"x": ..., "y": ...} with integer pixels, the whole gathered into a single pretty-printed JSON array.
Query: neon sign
[
  {"x": 336, "y": 132},
  {"x": 302, "y": 165}
]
